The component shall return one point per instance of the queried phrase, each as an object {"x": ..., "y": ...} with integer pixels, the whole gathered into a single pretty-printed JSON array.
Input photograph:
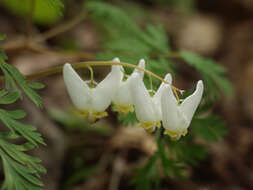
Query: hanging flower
[
  {"x": 91, "y": 102},
  {"x": 147, "y": 107},
  {"x": 177, "y": 117},
  {"x": 122, "y": 100}
]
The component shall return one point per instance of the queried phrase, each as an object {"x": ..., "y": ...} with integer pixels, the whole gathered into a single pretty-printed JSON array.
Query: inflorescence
[{"x": 129, "y": 95}]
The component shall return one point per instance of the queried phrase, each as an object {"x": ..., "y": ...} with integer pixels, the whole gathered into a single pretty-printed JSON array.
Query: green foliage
[
  {"x": 122, "y": 37},
  {"x": 163, "y": 162},
  {"x": 186, "y": 151},
  {"x": 73, "y": 122},
  {"x": 129, "y": 119},
  {"x": 57, "y": 4},
  {"x": 45, "y": 11},
  {"x": 210, "y": 128},
  {"x": 213, "y": 74},
  {"x": 172, "y": 156},
  {"x": 147, "y": 174},
  {"x": 13, "y": 78},
  {"x": 126, "y": 40},
  {"x": 21, "y": 170},
  {"x": 2, "y": 54}
]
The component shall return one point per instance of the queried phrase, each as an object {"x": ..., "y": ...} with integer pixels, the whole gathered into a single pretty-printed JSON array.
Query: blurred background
[{"x": 107, "y": 154}]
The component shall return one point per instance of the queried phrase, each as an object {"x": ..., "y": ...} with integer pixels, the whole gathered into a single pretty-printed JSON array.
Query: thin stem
[
  {"x": 61, "y": 28},
  {"x": 151, "y": 85},
  {"x": 30, "y": 19},
  {"x": 91, "y": 77},
  {"x": 174, "y": 55},
  {"x": 94, "y": 63},
  {"x": 124, "y": 74},
  {"x": 177, "y": 97},
  {"x": 24, "y": 43},
  {"x": 64, "y": 54}
]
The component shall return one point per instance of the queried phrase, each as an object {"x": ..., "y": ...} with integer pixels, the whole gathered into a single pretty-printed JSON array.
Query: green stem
[
  {"x": 60, "y": 29},
  {"x": 30, "y": 19},
  {"x": 151, "y": 86},
  {"x": 87, "y": 64},
  {"x": 91, "y": 77}
]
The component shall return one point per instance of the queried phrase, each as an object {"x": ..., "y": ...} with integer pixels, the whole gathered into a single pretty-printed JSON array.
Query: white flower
[
  {"x": 91, "y": 102},
  {"x": 122, "y": 100},
  {"x": 147, "y": 107},
  {"x": 177, "y": 117},
  {"x": 158, "y": 95}
]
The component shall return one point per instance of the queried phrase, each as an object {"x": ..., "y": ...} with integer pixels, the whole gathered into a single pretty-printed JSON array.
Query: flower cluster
[{"x": 130, "y": 94}]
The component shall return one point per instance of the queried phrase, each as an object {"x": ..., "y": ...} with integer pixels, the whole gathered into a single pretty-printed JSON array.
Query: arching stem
[{"x": 87, "y": 64}]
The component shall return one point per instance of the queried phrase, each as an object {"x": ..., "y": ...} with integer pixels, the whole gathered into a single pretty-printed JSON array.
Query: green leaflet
[
  {"x": 13, "y": 76},
  {"x": 129, "y": 119},
  {"x": 213, "y": 74},
  {"x": 21, "y": 170},
  {"x": 147, "y": 174},
  {"x": 25, "y": 130},
  {"x": 210, "y": 128},
  {"x": 36, "y": 85},
  {"x": 9, "y": 98}
]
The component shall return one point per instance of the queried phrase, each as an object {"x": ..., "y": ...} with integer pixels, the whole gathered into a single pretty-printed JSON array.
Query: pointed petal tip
[
  {"x": 168, "y": 78},
  {"x": 116, "y": 67},
  {"x": 116, "y": 59},
  {"x": 67, "y": 68},
  {"x": 141, "y": 63},
  {"x": 200, "y": 85},
  {"x": 142, "y": 60},
  {"x": 200, "y": 82},
  {"x": 66, "y": 65}
]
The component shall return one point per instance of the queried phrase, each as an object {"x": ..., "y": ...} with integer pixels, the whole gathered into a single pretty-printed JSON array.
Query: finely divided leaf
[
  {"x": 10, "y": 98},
  {"x": 210, "y": 128},
  {"x": 213, "y": 74}
]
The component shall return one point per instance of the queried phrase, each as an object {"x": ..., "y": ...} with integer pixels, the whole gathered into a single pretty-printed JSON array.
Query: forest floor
[{"x": 104, "y": 157}]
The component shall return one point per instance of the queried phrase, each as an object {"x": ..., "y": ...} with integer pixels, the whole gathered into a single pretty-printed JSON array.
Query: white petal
[
  {"x": 143, "y": 103},
  {"x": 78, "y": 90},
  {"x": 190, "y": 104},
  {"x": 158, "y": 94},
  {"x": 123, "y": 96},
  {"x": 142, "y": 65},
  {"x": 167, "y": 78},
  {"x": 116, "y": 59},
  {"x": 106, "y": 89},
  {"x": 173, "y": 119}
]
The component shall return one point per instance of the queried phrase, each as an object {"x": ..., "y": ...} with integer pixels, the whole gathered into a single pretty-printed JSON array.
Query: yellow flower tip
[
  {"x": 122, "y": 109},
  {"x": 150, "y": 126},
  {"x": 184, "y": 132},
  {"x": 91, "y": 116},
  {"x": 175, "y": 135}
]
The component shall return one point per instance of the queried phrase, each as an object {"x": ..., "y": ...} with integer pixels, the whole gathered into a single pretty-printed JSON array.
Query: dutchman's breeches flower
[
  {"x": 147, "y": 107},
  {"x": 91, "y": 101},
  {"x": 150, "y": 108},
  {"x": 177, "y": 117},
  {"x": 123, "y": 100}
]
